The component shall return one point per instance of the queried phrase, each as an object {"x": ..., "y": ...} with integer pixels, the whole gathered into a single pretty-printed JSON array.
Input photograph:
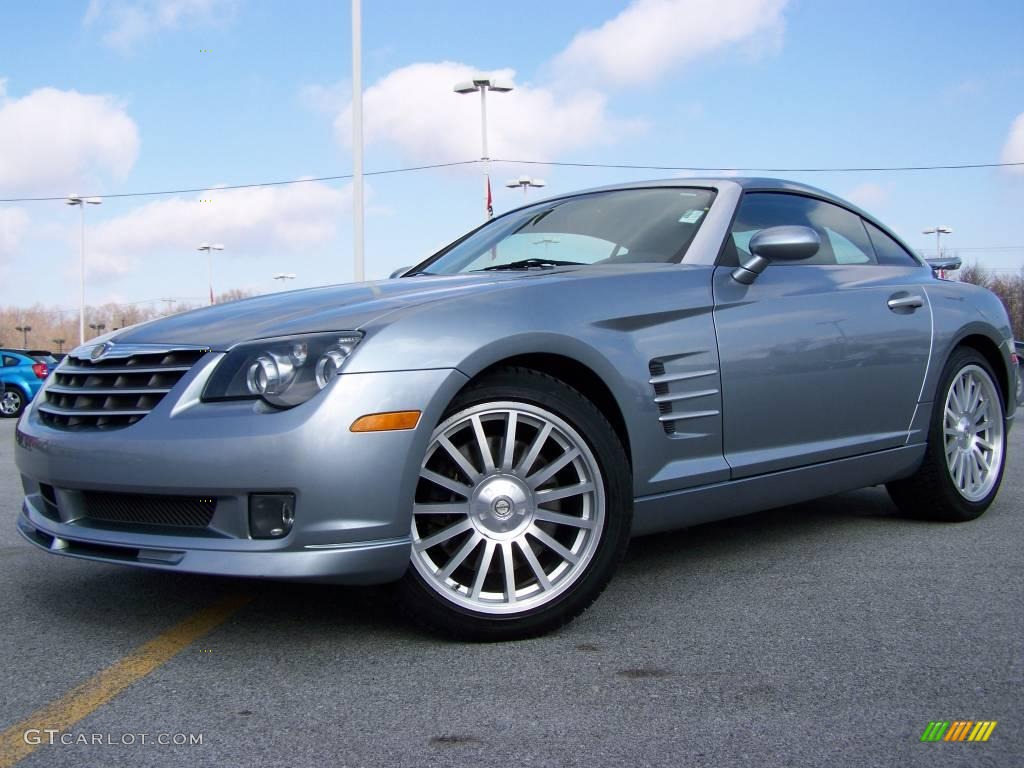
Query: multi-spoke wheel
[
  {"x": 973, "y": 432},
  {"x": 12, "y": 403},
  {"x": 520, "y": 513},
  {"x": 963, "y": 465}
]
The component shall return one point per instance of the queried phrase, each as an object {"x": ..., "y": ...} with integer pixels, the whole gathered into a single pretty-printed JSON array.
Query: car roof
[
  {"x": 749, "y": 183},
  {"x": 22, "y": 352}
]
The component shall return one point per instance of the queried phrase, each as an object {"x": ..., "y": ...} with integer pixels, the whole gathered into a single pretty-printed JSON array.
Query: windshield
[{"x": 630, "y": 226}]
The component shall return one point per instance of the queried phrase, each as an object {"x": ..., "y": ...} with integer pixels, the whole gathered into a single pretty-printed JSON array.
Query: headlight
[{"x": 285, "y": 371}]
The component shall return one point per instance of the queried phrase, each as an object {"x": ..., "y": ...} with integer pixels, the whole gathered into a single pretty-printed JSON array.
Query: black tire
[
  {"x": 12, "y": 394},
  {"x": 930, "y": 493},
  {"x": 520, "y": 385}
]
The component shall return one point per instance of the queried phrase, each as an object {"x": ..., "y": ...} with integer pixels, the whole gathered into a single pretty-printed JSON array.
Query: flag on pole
[
  {"x": 211, "y": 295},
  {"x": 490, "y": 202}
]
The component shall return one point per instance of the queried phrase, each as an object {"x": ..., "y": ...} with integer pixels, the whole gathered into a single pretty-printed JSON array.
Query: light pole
[
  {"x": 938, "y": 232},
  {"x": 24, "y": 329},
  {"x": 209, "y": 252},
  {"x": 81, "y": 202},
  {"x": 60, "y": 345},
  {"x": 170, "y": 304},
  {"x": 525, "y": 182},
  {"x": 484, "y": 84},
  {"x": 358, "y": 265},
  {"x": 98, "y": 327},
  {"x": 284, "y": 277}
]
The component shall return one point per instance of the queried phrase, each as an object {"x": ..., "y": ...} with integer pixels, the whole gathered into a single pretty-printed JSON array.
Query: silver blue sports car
[{"x": 490, "y": 428}]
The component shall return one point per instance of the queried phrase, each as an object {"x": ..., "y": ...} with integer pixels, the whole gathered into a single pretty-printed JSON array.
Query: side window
[
  {"x": 843, "y": 237},
  {"x": 10, "y": 361},
  {"x": 888, "y": 250}
]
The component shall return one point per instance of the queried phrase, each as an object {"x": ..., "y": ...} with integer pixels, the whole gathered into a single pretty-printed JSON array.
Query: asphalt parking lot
[{"x": 824, "y": 633}]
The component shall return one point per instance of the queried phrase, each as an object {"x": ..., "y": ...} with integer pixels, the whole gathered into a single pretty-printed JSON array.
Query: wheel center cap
[
  {"x": 502, "y": 505},
  {"x": 963, "y": 432}
]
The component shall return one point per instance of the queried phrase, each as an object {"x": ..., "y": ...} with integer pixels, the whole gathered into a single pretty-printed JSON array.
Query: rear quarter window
[{"x": 887, "y": 250}]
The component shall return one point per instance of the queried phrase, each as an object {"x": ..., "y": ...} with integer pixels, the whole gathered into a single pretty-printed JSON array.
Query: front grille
[
  {"x": 115, "y": 391},
  {"x": 146, "y": 509}
]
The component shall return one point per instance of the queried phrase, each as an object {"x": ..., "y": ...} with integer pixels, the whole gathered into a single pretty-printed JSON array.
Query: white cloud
[
  {"x": 13, "y": 223},
  {"x": 127, "y": 23},
  {"x": 650, "y": 37},
  {"x": 53, "y": 138},
  {"x": 868, "y": 195},
  {"x": 1013, "y": 150},
  {"x": 248, "y": 221},
  {"x": 415, "y": 108}
]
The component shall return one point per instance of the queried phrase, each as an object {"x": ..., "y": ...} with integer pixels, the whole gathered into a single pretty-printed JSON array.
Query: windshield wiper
[{"x": 530, "y": 264}]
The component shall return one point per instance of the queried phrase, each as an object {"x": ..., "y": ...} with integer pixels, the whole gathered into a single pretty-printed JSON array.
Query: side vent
[{"x": 686, "y": 393}]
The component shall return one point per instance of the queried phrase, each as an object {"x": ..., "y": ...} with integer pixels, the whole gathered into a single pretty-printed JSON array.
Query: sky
[{"x": 114, "y": 96}]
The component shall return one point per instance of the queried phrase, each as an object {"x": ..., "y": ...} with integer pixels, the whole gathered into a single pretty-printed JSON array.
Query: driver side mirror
[
  {"x": 788, "y": 243},
  {"x": 398, "y": 272}
]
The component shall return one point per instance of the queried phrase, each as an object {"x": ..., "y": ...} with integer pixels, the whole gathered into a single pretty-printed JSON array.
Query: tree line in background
[
  {"x": 53, "y": 329},
  {"x": 49, "y": 324},
  {"x": 1008, "y": 287}
]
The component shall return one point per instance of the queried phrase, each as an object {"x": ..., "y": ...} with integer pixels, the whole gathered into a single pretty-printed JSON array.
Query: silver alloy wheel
[
  {"x": 10, "y": 402},
  {"x": 510, "y": 508},
  {"x": 973, "y": 432}
]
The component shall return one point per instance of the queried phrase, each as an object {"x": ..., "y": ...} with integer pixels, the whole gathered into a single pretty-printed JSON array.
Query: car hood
[{"x": 332, "y": 308}]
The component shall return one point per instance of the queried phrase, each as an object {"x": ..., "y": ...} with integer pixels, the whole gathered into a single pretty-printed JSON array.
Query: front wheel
[
  {"x": 12, "y": 403},
  {"x": 963, "y": 464},
  {"x": 522, "y": 511}
]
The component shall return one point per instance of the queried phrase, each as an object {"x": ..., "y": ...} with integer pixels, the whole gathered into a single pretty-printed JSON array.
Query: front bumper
[{"x": 353, "y": 491}]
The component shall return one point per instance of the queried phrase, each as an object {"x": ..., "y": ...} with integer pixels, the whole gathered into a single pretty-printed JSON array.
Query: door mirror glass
[{"x": 786, "y": 243}]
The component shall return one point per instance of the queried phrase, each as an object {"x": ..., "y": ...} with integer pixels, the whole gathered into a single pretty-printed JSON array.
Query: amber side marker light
[{"x": 386, "y": 422}]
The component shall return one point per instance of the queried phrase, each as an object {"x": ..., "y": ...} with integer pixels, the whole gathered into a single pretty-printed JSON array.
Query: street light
[
  {"x": 81, "y": 202},
  {"x": 284, "y": 277},
  {"x": 98, "y": 327},
  {"x": 24, "y": 329},
  {"x": 60, "y": 345},
  {"x": 938, "y": 232},
  {"x": 484, "y": 84},
  {"x": 209, "y": 252},
  {"x": 525, "y": 182},
  {"x": 170, "y": 304}
]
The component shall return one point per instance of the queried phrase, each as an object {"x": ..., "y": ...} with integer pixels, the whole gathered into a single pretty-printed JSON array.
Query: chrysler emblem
[{"x": 99, "y": 351}]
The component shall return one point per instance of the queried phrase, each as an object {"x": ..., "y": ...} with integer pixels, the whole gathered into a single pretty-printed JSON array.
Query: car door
[{"x": 820, "y": 359}]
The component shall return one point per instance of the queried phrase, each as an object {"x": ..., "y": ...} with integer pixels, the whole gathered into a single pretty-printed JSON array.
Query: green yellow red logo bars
[{"x": 959, "y": 730}]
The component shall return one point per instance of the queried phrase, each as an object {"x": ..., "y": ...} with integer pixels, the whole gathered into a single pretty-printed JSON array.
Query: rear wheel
[
  {"x": 12, "y": 403},
  {"x": 522, "y": 512},
  {"x": 964, "y": 461}
]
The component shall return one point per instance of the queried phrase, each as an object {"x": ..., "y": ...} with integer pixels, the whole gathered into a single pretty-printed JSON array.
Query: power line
[
  {"x": 243, "y": 186},
  {"x": 556, "y": 163},
  {"x": 627, "y": 166}
]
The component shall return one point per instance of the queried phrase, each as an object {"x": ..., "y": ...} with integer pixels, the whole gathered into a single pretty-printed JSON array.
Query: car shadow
[{"x": 136, "y": 596}]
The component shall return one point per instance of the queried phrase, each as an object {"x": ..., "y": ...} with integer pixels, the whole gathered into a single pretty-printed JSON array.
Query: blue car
[{"x": 21, "y": 376}]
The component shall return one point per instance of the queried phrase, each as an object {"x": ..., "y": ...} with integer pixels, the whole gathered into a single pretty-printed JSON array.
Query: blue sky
[{"x": 119, "y": 96}]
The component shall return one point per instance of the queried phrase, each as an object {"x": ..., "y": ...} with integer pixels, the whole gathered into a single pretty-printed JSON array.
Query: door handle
[{"x": 905, "y": 301}]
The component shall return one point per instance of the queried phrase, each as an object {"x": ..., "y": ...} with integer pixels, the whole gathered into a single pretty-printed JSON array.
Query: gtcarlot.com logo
[{"x": 959, "y": 730}]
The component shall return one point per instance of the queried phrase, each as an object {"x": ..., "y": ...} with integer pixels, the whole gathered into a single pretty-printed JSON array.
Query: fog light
[{"x": 271, "y": 515}]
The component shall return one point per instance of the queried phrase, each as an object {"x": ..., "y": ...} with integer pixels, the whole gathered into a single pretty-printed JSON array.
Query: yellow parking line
[{"x": 84, "y": 699}]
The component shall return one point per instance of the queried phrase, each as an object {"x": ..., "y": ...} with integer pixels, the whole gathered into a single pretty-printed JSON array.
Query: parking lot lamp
[
  {"x": 24, "y": 329},
  {"x": 938, "y": 232},
  {"x": 81, "y": 202},
  {"x": 284, "y": 277},
  {"x": 484, "y": 84},
  {"x": 209, "y": 252},
  {"x": 60, "y": 345},
  {"x": 525, "y": 182}
]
